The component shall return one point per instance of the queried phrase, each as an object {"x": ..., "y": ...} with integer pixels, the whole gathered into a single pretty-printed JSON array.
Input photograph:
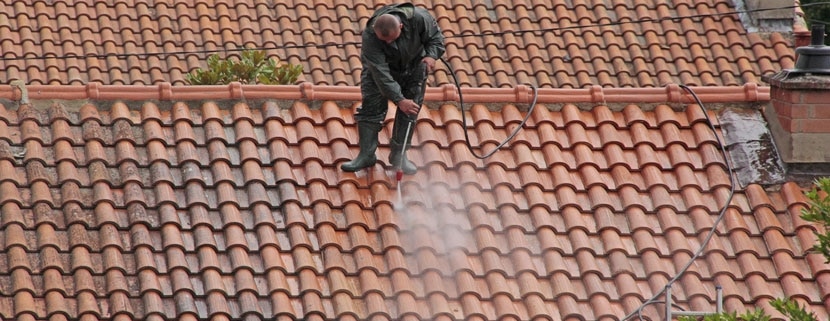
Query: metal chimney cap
[{"x": 815, "y": 58}]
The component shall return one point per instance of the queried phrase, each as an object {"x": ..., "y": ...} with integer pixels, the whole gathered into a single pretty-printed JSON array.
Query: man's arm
[{"x": 433, "y": 38}]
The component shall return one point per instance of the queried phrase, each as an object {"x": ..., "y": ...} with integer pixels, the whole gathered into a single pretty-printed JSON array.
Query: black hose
[
  {"x": 464, "y": 117},
  {"x": 721, "y": 214}
]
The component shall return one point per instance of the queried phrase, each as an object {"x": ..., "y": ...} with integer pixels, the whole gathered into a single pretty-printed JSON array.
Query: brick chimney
[{"x": 799, "y": 115}]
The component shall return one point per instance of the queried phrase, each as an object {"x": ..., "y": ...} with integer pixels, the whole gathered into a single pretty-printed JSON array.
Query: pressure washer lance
[{"x": 399, "y": 172}]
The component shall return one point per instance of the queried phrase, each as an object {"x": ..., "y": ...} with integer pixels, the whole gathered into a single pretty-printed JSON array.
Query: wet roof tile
[
  {"x": 547, "y": 44},
  {"x": 199, "y": 211},
  {"x": 240, "y": 211}
]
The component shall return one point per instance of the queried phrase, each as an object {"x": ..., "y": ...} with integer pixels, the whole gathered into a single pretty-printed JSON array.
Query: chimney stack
[
  {"x": 771, "y": 15},
  {"x": 799, "y": 115}
]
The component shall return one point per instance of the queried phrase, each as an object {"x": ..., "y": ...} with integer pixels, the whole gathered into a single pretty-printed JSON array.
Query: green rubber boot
[
  {"x": 368, "y": 140},
  {"x": 397, "y": 154}
]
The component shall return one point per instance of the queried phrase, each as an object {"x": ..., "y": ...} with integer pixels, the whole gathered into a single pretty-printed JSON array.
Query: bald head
[{"x": 387, "y": 25}]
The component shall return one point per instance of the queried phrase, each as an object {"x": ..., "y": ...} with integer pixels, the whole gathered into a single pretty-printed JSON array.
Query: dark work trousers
[{"x": 374, "y": 105}]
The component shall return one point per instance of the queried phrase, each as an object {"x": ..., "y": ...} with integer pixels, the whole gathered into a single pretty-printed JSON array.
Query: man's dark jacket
[{"x": 420, "y": 37}]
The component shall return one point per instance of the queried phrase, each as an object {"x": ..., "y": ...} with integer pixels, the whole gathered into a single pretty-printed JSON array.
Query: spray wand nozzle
[{"x": 399, "y": 172}]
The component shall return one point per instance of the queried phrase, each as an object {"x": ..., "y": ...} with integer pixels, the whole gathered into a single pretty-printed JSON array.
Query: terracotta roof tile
[
  {"x": 238, "y": 213},
  {"x": 581, "y": 42}
]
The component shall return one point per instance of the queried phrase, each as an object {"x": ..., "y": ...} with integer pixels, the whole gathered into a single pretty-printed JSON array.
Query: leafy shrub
[
  {"x": 793, "y": 310},
  {"x": 756, "y": 315},
  {"x": 787, "y": 307},
  {"x": 819, "y": 212},
  {"x": 252, "y": 67}
]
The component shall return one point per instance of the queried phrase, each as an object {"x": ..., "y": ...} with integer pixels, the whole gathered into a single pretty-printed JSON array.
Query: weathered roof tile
[
  {"x": 200, "y": 211},
  {"x": 161, "y": 42}
]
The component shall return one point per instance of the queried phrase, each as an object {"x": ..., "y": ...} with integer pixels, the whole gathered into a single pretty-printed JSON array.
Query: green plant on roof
[
  {"x": 788, "y": 307},
  {"x": 252, "y": 67},
  {"x": 819, "y": 212},
  {"x": 755, "y": 315},
  {"x": 793, "y": 310}
]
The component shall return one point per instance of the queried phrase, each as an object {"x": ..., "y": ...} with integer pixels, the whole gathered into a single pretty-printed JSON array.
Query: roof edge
[{"x": 672, "y": 93}]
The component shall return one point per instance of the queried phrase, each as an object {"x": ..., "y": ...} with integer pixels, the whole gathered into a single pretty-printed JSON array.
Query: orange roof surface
[
  {"x": 552, "y": 43},
  {"x": 232, "y": 209},
  {"x": 128, "y": 196}
]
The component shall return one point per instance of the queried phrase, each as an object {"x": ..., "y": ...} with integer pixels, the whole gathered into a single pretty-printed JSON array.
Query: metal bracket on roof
[
  {"x": 24, "y": 93},
  {"x": 669, "y": 305}
]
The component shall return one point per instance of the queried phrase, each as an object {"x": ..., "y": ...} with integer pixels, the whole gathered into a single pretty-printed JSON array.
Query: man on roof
[{"x": 400, "y": 45}]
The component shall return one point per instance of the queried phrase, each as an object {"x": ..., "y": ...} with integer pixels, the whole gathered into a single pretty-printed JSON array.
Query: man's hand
[
  {"x": 430, "y": 62},
  {"x": 409, "y": 106}
]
